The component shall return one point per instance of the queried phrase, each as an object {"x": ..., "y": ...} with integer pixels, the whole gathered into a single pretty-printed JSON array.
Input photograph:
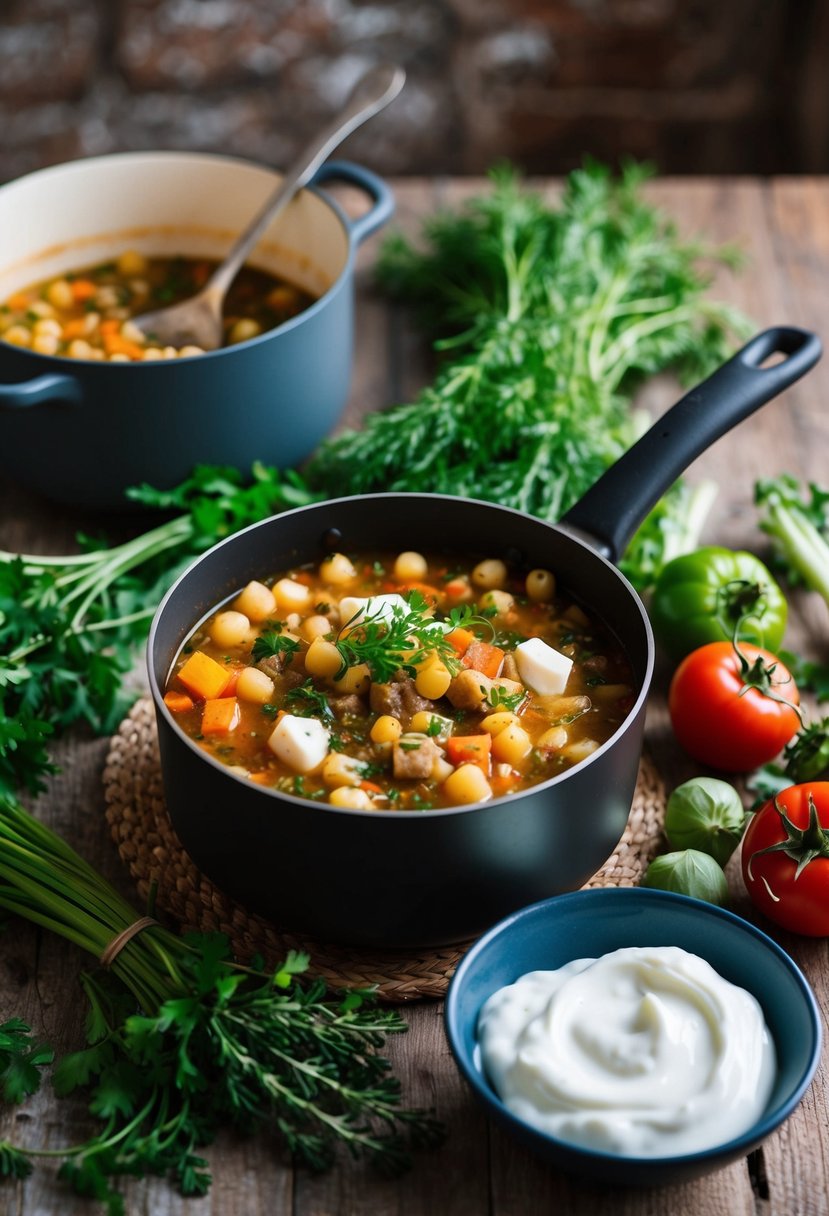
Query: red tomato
[
  {"x": 720, "y": 715},
  {"x": 799, "y": 902}
]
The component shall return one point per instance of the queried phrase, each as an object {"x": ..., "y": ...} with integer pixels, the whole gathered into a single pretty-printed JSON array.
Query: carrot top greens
[{"x": 547, "y": 316}]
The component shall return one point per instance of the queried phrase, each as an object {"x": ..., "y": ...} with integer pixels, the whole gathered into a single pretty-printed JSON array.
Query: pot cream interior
[{"x": 75, "y": 215}]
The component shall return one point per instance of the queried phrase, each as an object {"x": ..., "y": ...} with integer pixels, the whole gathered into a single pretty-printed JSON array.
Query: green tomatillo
[
  {"x": 715, "y": 595},
  {"x": 688, "y": 872},
  {"x": 705, "y": 814}
]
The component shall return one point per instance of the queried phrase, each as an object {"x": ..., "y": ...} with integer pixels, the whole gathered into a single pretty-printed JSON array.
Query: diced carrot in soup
[
  {"x": 115, "y": 344},
  {"x": 503, "y": 784},
  {"x": 76, "y": 328},
  {"x": 203, "y": 676},
  {"x": 484, "y": 657},
  {"x": 83, "y": 289},
  {"x": 460, "y": 639},
  {"x": 178, "y": 702},
  {"x": 469, "y": 749},
  {"x": 220, "y": 716}
]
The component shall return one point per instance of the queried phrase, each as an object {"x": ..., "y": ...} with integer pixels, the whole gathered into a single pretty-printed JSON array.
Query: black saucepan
[{"x": 390, "y": 878}]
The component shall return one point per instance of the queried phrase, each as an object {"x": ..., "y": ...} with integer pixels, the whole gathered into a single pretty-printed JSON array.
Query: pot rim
[
  {"x": 170, "y": 155},
  {"x": 401, "y": 815}
]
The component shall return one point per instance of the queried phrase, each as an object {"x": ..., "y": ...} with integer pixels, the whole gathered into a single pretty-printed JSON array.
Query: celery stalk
[{"x": 798, "y": 528}]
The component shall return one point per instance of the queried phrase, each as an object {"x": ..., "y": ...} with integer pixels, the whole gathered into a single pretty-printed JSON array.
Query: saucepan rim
[{"x": 333, "y": 505}]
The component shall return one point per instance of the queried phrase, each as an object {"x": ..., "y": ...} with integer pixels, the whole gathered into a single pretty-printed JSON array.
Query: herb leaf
[
  {"x": 499, "y": 698},
  {"x": 388, "y": 644},
  {"x": 272, "y": 643},
  {"x": 308, "y": 701},
  {"x": 20, "y": 1058}
]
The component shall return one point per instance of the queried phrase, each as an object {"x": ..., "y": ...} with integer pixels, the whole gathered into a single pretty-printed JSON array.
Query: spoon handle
[{"x": 372, "y": 93}]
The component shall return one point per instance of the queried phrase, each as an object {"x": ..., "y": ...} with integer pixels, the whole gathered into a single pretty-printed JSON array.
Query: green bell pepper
[{"x": 713, "y": 595}]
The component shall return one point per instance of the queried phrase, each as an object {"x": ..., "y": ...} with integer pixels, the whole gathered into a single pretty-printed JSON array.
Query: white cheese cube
[
  {"x": 300, "y": 743},
  {"x": 378, "y": 608},
  {"x": 541, "y": 668}
]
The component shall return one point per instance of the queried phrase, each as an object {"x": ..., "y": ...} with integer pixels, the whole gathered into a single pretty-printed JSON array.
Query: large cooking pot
[
  {"x": 397, "y": 878},
  {"x": 81, "y": 431}
]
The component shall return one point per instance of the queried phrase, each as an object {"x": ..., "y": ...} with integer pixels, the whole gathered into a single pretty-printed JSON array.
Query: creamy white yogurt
[{"x": 643, "y": 1052}]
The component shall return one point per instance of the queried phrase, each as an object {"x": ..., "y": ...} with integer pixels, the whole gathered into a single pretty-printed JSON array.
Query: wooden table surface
[{"x": 783, "y": 225}]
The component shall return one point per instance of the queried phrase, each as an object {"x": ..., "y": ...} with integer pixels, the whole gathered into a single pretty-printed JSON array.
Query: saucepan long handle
[{"x": 612, "y": 509}]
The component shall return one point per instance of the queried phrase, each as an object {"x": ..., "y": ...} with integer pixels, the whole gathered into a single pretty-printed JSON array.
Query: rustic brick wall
[{"x": 710, "y": 86}]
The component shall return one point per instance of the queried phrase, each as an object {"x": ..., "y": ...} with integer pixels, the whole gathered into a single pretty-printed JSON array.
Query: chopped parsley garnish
[
  {"x": 499, "y": 698},
  {"x": 402, "y": 641},
  {"x": 508, "y": 639},
  {"x": 306, "y": 701},
  {"x": 270, "y": 644}
]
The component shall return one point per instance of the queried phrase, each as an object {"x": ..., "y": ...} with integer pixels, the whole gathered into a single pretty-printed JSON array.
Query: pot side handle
[
  {"x": 50, "y": 388},
  {"x": 612, "y": 509},
  {"x": 382, "y": 208}
]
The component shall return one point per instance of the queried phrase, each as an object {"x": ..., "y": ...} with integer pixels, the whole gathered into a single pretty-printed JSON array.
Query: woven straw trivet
[{"x": 148, "y": 845}]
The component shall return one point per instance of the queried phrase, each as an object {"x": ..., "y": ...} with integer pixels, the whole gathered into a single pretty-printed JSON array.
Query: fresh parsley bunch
[
  {"x": 183, "y": 1042},
  {"x": 70, "y": 626}
]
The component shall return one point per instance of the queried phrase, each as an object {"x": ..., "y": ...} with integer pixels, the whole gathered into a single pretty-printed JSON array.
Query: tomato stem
[
  {"x": 802, "y": 845},
  {"x": 760, "y": 675}
]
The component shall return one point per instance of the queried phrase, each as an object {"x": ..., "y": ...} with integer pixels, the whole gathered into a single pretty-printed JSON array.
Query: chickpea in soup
[
  {"x": 87, "y": 314},
  {"x": 400, "y": 683}
]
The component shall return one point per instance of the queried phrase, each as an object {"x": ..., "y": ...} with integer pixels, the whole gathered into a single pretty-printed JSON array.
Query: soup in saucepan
[
  {"x": 400, "y": 682},
  {"x": 87, "y": 314}
]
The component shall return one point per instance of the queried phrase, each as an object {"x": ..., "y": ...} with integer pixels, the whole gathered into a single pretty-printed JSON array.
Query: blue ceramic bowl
[{"x": 588, "y": 924}]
